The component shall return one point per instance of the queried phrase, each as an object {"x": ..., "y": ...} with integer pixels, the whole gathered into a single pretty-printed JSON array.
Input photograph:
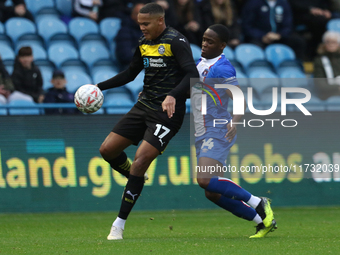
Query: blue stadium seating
[
  {"x": 75, "y": 79},
  {"x": 104, "y": 65},
  {"x": 9, "y": 65},
  {"x": 109, "y": 28},
  {"x": 49, "y": 13},
  {"x": 23, "y": 108},
  {"x": 292, "y": 77},
  {"x": 2, "y": 28},
  {"x": 277, "y": 53},
  {"x": 196, "y": 51},
  {"x": 247, "y": 53},
  {"x": 333, "y": 103},
  {"x": 118, "y": 103},
  {"x": 59, "y": 53},
  {"x": 34, "y": 6},
  {"x": 3, "y": 111},
  {"x": 39, "y": 52},
  {"x": 229, "y": 53},
  {"x": 16, "y": 27},
  {"x": 74, "y": 64},
  {"x": 334, "y": 25},
  {"x": 313, "y": 105},
  {"x": 102, "y": 75},
  {"x": 263, "y": 80},
  {"x": 47, "y": 28},
  {"x": 65, "y": 7},
  {"x": 136, "y": 85},
  {"x": 260, "y": 65},
  {"x": 79, "y": 27},
  {"x": 46, "y": 73},
  {"x": 6, "y": 52},
  {"x": 29, "y": 39},
  {"x": 91, "y": 52}
]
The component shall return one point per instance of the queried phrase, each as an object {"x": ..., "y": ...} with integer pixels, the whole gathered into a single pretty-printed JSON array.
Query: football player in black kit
[{"x": 166, "y": 57}]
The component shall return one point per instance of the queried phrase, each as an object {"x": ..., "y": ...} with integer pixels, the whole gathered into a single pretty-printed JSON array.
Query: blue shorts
[{"x": 213, "y": 147}]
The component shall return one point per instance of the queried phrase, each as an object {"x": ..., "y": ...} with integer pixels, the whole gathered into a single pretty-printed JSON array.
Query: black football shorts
[{"x": 155, "y": 127}]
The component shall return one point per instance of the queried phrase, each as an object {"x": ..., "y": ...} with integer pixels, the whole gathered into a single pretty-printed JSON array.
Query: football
[{"x": 88, "y": 98}]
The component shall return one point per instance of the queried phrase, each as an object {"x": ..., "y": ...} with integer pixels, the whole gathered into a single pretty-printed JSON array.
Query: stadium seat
[
  {"x": 333, "y": 25},
  {"x": 79, "y": 27},
  {"x": 38, "y": 51},
  {"x": 46, "y": 73},
  {"x": 292, "y": 77},
  {"x": 247, "y": 53},
  {"x": 242, "y": 79},
  {"x": 289, "y": 64},
  {"x": 262, "y": 64},
  {"x": 64, "y": 39},
  {"x": 104, "y": 65},
  {"x": 75, "y": 79},
  {"x": 64, "y": 7},
  {"x": 118, "y": 103},
  {"x": 313, "y": 105},
  {"x": 34, "y": 6},
  {"x": 47, "y": 28},
  {"x": 136, "y": 85},
  {"x": 188, "y": 105},
  {"x": 103, "y": 75},
  {"x": 277, "y": 53},
  {"x": 74, "y": 64},
  {"x": 263, "y": 80},
  {"x": 3, "y": 111},
  {"x": 6, "y": 52},
  {"x": 50, "y": 13},
  {"x": 9, "y": 65},
  {"x": 23, "y": 108},
  {"x": 333, "y": 103},
  {"x": 229, "y": 53},
  {"x": 58, "y": 53},
  {"x": 109, "y": 28},
  {"x": 196, "y": 51},
  {"x": 16, "y": 27},
  {"x": 92, "y": 52},
  {"x": 30, "y": 39}
]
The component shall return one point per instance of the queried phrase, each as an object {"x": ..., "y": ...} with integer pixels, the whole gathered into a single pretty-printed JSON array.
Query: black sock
[
  {"x": 121, "y": 164},
  {"x": 132, "y": 191}
]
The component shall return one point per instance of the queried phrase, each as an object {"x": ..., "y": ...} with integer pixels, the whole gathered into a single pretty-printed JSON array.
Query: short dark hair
[
  {"x": 152, "y": 8},
  {"x": 25, "y": 51},
  {"x": 222, "y": 32}
]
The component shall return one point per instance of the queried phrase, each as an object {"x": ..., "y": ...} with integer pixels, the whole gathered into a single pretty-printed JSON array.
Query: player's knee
[
  {"x": 105, "y": 152},
  {"x": 141, "y": 163},
  {"x": 214, "y": 197},
  {"x": 203, "y": 182}
]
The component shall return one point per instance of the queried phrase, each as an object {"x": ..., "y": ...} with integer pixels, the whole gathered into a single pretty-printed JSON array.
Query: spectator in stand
[
  {"x": 127, "y": 38},
  {"x": 86, "y": 8},
  {"x": 224, "y": 13},
  {"x": 7, "y": 92},
  {"x": 314, "y": 15},
  {"x": 59, "y": 94},
  {"x": 266, "y": 22},
  {"x": 335, "y": 8},
  {"x": 26, "y": 76},
  {"x": 327, "y": 66},
  {"x": 18, "y": 9},
  {"x": 205, "y": 13},
  {"x": 188, "y": 21},
  {"x": 112, "y": 8}
]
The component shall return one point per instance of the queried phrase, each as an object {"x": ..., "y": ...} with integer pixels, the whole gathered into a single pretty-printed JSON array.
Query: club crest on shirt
[
  {"x": 205, "y": 72},
  {"x": 161, "y": 49}
]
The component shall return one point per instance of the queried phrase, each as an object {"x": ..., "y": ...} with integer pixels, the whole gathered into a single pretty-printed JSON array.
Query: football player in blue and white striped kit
[{"x": 213, "y": 143}]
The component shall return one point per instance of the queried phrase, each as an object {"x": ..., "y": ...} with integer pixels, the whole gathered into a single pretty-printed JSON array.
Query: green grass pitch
[{"x": 306, "y": 230}]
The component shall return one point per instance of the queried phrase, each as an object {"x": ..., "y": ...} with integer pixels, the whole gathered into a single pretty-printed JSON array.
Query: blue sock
[
  {"x": 227, "y": 188},
  {"x": 237, "y": 208}
]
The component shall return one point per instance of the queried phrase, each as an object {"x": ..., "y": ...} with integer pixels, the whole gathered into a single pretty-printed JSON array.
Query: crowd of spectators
[{"x": 300, "y": 24}]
